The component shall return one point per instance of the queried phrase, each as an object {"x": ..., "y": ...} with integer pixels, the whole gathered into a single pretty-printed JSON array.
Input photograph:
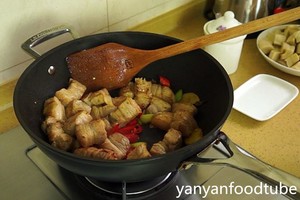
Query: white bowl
[{"x": 269, "y": 33}]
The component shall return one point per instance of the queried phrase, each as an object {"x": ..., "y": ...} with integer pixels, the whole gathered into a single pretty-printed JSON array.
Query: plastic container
[{"x": 228, "y": 52}]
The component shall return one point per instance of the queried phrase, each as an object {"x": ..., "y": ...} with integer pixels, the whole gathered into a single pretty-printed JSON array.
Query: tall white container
[{"x": 228, "y": 52}]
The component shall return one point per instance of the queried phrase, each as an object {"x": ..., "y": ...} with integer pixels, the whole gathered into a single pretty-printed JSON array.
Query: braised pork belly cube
[
  {"x": 58, "y": 138},
  {"x": 142, "y": 99},
  {"x": 128, "y": 90},
  {"x": 100, "y": 97},
  {"x": 107, "y": 144},
  {"x": 163, "y": 92},
  {"x": 184, "y": 122},
  {"x": 140, "y": 151},
  {"x": 120, "y": 141},
  {"x": 184, "y": 107},
  {"x": 118, "y": 100},
  {"x": 127, "y": 111},
  {"x": 54, "y": 108},
  {"x": 99, "y": 112},
  {"x": 92, "y": 133},
  {"x": 94, "y": 152},
  {"x": 158, "y": 105},
  {"x": 108, "y": 126},
  {"x": 74, "y": 91},
  {"x": 75, "y": 106},
  {"x": 162, "y": 120},
  {"x": 49, "y": 120},
  {"x": 142, "y": 86},
  {"x": 80, "y": 117},
  {"x": 173, "y": 139},
  {"x": 158, "y": 148}
]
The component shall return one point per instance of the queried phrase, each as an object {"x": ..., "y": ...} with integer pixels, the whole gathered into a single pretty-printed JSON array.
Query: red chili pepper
[
  {"x": 132, "y": 137},
  {"x": 164, "y": 81},
  {"x": 136, "y": 129},
  {"x": 132, "y": 122},
  {"x": 131, "y": 130},
  {"x": 114, "y": 129}
]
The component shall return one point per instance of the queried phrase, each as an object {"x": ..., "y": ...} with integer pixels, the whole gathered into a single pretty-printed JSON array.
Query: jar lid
[{"x": 222, "y": 23}]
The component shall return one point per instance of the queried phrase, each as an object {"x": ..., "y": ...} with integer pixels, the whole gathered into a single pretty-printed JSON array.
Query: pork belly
[
  {"x": 80, "y": 117},
  {"x": 107, "y": 144},
  {"x": 118, "y": 100},
  {"x": 142, "y": 99},
  {"x": 172, "y": 139},
  {"x": 162, "y": 120},
  {"x": 54, "y": 108},
  {"x": 127, "y": 111},
  {"x": 58, "y": 138},
  {"x": 98, "y": 98},
  {"x": 92, "y": 133},
  {"x": 117, "y": 143},
  {"x": 99, "y": 112},
  {"x": 94, "y": 152},
  {"x": 142, "y": 92},
  {"x": 120, "y": 141},
  {"x": 142, "y": 86},
  {"x": 74, "y": 91},
  {"x": 128, "y": 90},
  {"x": 75, "y": 106},
  {"x": 139, "y": 151},
  {"x": 184, "y": 122},
  {"x": 159, "y": 148},
  {"x": 184, "y": 107},
  {"x": 108, "y": 126},
  {"x": 158, "y": 105},
  {"x": 49, "y": 120},
  {"x": 163, "y": 92}
]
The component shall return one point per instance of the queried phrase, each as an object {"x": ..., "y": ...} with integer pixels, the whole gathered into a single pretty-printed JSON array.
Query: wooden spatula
[{"x": 113, "y": 65}]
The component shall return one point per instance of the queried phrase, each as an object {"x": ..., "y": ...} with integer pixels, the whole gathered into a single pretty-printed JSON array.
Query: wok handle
[
  {"x": 249, "y": 164},
  {"x": 44, "y": 36}
]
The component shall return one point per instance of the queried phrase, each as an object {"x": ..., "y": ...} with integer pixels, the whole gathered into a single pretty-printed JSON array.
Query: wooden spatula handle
[{"x": 247, "y": 28}]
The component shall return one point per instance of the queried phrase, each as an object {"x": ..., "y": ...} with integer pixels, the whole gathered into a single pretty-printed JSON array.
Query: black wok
[{"x": 195, "y": 71}]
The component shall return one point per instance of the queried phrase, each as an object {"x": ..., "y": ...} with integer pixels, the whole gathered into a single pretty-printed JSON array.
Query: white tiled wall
[{"x": 21, "y": 19}]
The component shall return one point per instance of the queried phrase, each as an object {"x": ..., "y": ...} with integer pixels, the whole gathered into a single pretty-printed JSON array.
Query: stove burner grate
[{"x": 98, "y": 189}]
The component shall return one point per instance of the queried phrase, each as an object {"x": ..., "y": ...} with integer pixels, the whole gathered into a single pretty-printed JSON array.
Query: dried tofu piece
[
  {"x": 298, "y": 49},
  {"x": 291, "y": 40},
  {"x": 275, "y": 54},
  {"x": 266, "y": 46},
  {"x": 291, "y": 60},
  {"x": 279, "y": 39},
  {"x": 287, "y": 50},
  {"x": 291, "y": 29},
  {"x": 297, "y": 36},
  {"x": 296, "y": 66}
]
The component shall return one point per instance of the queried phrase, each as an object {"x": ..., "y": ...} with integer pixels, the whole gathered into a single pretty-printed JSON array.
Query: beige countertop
[{"x": 275, "y": 141}]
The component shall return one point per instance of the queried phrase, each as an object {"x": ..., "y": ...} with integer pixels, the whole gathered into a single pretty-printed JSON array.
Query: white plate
[{"x": 263, "y": 96}]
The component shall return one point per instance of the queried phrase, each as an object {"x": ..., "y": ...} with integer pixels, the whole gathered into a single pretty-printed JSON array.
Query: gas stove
[{"x": 27, "y": 173}]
